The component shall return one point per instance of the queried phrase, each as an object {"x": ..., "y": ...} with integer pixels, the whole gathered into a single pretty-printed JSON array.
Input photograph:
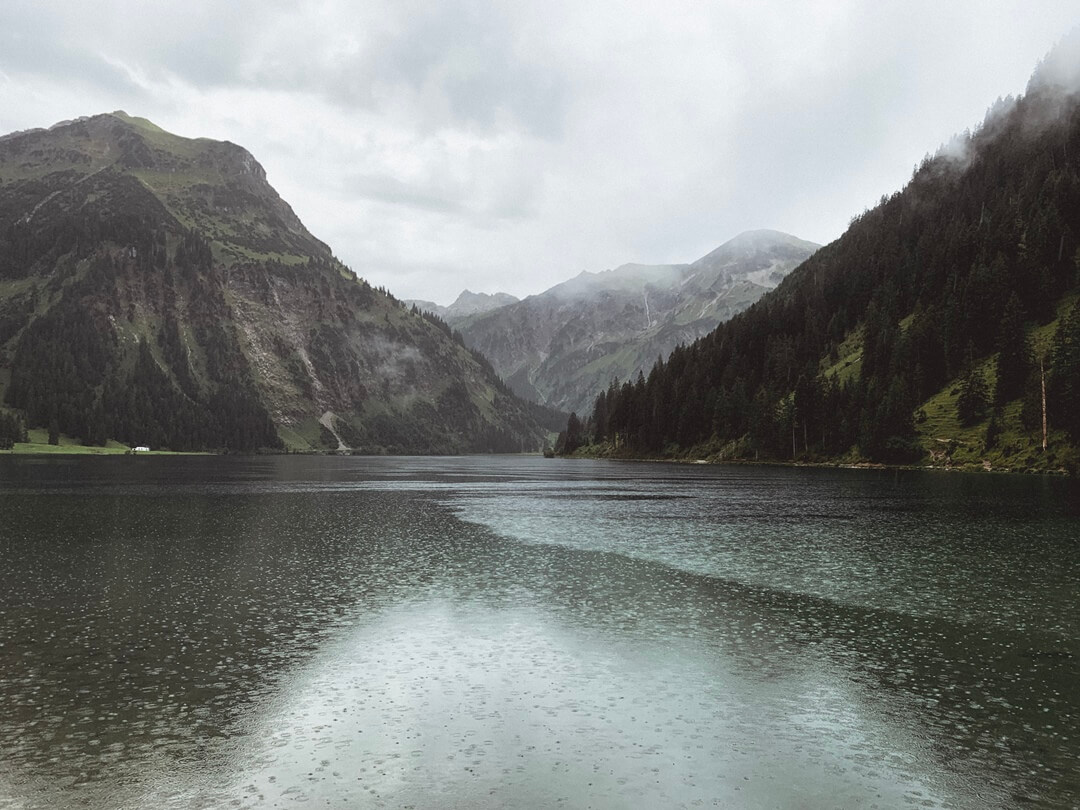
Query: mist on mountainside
[
  {"x": 565, "y": 345},
  {"x": 942, "y": 327}
]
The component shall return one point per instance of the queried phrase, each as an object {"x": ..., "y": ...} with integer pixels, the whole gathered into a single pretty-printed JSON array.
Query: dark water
[{"x": 489, "y": 632}]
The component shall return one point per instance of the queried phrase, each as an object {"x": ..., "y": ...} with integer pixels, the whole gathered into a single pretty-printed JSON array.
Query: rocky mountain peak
[
  {"x": 762, "y": 257},
  {"x": 466, "y": 305},
  {"x": 215, "y": 187},
  {"x": 470, "y": 303}
]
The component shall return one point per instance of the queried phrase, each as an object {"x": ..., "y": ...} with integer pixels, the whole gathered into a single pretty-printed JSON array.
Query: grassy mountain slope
[{"x": 156, "y": 289}]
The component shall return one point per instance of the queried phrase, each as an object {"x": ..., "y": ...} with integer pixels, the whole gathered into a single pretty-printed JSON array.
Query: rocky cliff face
[
  {"x": 157, "y": 289},
  {"x": 564, "y": 346}
]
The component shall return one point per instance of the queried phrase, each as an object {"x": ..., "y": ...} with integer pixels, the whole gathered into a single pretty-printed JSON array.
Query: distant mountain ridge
[
  {"x": 465, "y": 305},
  {"x": 156, "y": 290},
  {"x": 565, "y": 345}
]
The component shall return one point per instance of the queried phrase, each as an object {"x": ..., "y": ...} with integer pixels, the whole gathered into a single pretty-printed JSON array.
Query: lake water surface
[{"x": 490, "y": 632}]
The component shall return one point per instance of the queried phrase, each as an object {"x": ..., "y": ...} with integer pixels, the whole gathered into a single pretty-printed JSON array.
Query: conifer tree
[
  {"x": 973, "y": 400},
  {"x": 1064, "y": 382},
  {"x": 1014, "y": 353}
]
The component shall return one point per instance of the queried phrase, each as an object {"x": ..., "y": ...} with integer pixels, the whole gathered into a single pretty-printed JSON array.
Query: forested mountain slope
[
  {"x": 156, "y": 290},
  {"x": 928, "y": 332}
]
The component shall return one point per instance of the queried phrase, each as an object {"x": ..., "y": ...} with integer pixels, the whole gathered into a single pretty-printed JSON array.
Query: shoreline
[
  {"x": 840, "y": 465},
  {"x": 34, "y": 450}
]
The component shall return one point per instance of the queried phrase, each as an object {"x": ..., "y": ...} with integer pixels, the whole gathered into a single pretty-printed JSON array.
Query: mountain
[
  {"x": 156, "y": 290},
  {"x": 563, "y": 346},
  {"x": 465, "y": 305},
  {"x": 942, "y": 327}
]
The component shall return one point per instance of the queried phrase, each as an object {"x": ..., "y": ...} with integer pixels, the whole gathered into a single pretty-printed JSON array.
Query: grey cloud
[
  {"x": 510, "y": 208},
  {"x": 24, "y": 51},
  {"x": 1061, "y": 66},
  {"x": 467, "y": 50},
  {"x": 386, "y": 189},
  {"x": 211, "y": 60},
  {"x": 455, "y": 61},
  {"x": 436, "y": 279},
  {"x": 514, "y": 204}
]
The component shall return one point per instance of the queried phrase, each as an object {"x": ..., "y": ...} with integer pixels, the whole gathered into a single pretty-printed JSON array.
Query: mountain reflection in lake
[{"x": 488, "y": 632}]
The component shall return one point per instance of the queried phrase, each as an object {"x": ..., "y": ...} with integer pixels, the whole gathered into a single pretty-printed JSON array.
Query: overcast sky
[{"x": 438, "y": 145}]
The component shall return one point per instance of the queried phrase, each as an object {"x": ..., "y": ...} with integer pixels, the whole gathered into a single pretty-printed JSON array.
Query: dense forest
[
  {"x": 69, "y": 372},
  {"x": 963, "y": 281}
]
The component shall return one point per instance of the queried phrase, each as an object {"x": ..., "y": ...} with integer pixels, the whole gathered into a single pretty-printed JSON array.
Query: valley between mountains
[{"x": 567, "y": 344}]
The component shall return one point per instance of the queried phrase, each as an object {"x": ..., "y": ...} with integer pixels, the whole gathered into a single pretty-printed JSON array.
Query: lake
[{"x": 194, "y": 632}]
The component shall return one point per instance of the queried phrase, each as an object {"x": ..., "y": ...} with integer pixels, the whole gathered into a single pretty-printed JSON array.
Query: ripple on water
[{"x": 462, "y": 633}]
